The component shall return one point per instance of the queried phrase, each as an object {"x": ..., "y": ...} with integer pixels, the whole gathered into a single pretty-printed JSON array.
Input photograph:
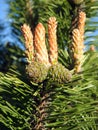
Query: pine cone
[
  {"x": 39, "y": 43},
  {"x": 58, "y": 73},
  {"x": 36, "y": 72},
  {"x": 28, "y": 42},
  {"x": 52, "y": 38}
]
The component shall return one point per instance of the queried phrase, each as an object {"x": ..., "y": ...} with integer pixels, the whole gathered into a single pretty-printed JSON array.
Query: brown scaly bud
[
  {"x": 52, "y": 39},
  {"x": 92, "y": 48},
  {"x": 81, "y": 25},
  {"x": 28, "y": 42},
  {"x": 39, "y": 43},
  {"x": 77, "y": 49}
]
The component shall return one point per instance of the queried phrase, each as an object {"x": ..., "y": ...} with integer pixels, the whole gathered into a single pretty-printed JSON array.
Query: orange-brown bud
[
  {"x": 39, "y": 43},
  {"x": 81, "y": 24},
  {"x": 77, "y": 49},
  {"x": 52, "y": 39},
  {"x": 28, "y": 36},
  {"x": 92, "y": 48}
]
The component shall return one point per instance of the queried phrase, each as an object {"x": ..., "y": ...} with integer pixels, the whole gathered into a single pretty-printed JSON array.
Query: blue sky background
[
  {"x": 5, "y": 21},
  {"x": 4, "y": 18},
  {"x": 3, "y": 9}
]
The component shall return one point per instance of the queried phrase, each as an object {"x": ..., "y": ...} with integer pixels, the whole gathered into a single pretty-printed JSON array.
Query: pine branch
[{"x": 53, "y": 98}]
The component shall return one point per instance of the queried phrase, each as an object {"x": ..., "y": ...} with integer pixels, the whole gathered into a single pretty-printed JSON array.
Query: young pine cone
[
  {"x": 36, "y": 72},
  {"x": 58, "y": 73}
]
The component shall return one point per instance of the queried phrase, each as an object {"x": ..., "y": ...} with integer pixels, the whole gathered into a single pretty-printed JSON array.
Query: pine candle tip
[
  {"x": 82, "y": 15},
  {"x": 39, "y": 44},
  {"x": 28, "y": 36},
  {"x": 76, "y": 31},
  {"x": 27, "y": 33},
  {"x": 52, "y": 39},
  {"x": 40, "y": 25},
  {"x": 52, "y": 19},
  {"x": 78, "y": 41},
  {"x": 77, "y": 48},
  {"x": 81, "y": 23},
  {"x": 24, "y": 25},
  {"x": 40, "y": 29}
]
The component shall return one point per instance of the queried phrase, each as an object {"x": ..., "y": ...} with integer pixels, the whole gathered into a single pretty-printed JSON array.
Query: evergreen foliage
[
  {"x": 10, "y": 54},
  {"x": 72, "y": 105},
  {"x": 15, "y": 95}
]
